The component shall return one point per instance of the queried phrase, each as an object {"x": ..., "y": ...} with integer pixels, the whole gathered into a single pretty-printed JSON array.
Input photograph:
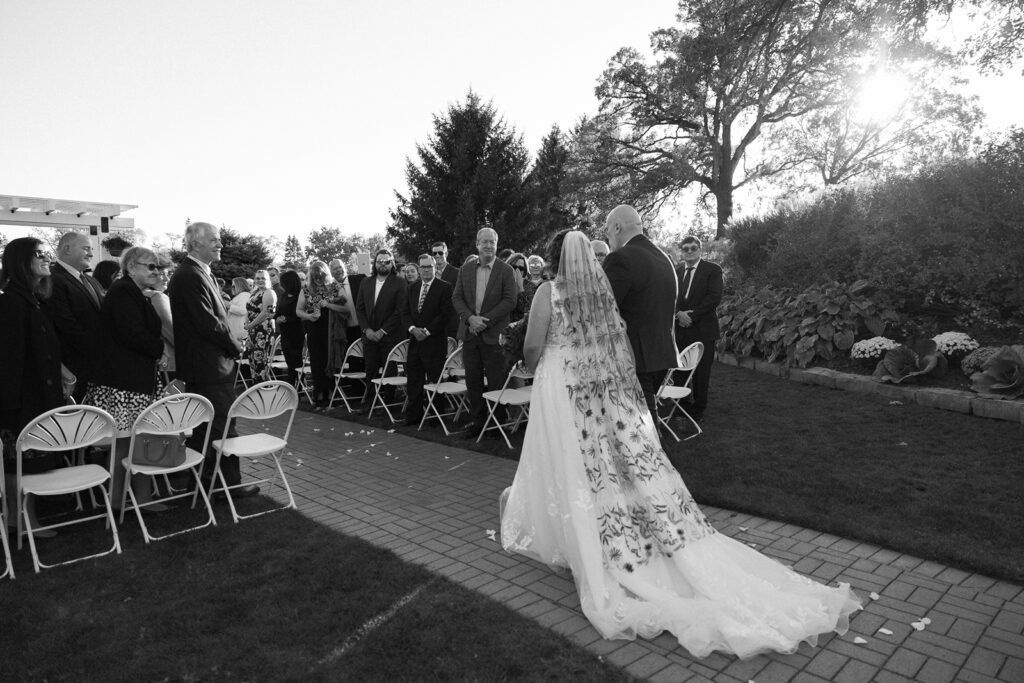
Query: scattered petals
[
  {"x": 859, "y": 641},
  {"x": 895, "y": 403},
  {"x": 491, "y": 534},
  {"x": 391, "y": 431},
  {"x": 874, "y": 595},
  {"x": 885, "y": 631},
  {"x": 902, "y": 443},
  {"x": 315, "y": 429},
  {"x": 742, "y": 528},
  {"x": 918, "y": 625},
  {"x": 926, "y": 621},
  {"x": 349, "y": 450},
  {"x": 752, "y": 545}
]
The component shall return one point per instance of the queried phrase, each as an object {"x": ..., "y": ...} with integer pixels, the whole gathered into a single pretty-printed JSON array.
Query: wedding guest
[
  {"x": 74, "y": 308},
  {"x": 521, "y": 274},
  {"x": 427, "y": 311},
  {"x": 259, "y": 325},
  {"x": 411, "y": 273},
  {"x": 484, "y": 296},
  {"x": 535, "y": 264},
  {"x": 162, "y": 305},
  {"x": 126, "y": 380},
  {"x": 314, "y": 301},
  {"x": 379, "y": 311},
  {"x": 289, "y": 325},
  {"x": 700, "y": 291},
  {"x": 106, "y": 272},
  {"x": 275, "y": 281},
  {"x": 450, "y": 274},
  {"x": 348, "y": 287},
  {"x": 601, "y": 249},
  {"x": 505, "y": 253},
  {"x": 237, "y": 314}
]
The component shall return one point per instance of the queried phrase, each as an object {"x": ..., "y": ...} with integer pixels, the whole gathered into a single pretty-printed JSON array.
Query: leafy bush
[
  {"x": 976, "y": 359},
  {"x": 1003, "y": 374},
  {"x": 903, "y": 364},
  {"x": 875, "y": 347},
  {"x": 954, "y": 343},
  {"x": 818, "y": 322}
]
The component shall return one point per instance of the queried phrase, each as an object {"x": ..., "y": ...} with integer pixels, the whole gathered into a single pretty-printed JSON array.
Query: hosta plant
[
  {"x": 903, "y": 364},
  {"x": 1002, "y": 375}
]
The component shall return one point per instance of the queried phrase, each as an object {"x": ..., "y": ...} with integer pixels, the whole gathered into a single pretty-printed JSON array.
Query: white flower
[
  {"x": 872, "y": 348},
  {"x": 954, "y": 342}
]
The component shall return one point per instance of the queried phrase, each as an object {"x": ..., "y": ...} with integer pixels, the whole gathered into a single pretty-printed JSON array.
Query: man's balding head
[
  {"x": 75, "y": 249},
  {"x": 622, "y": 225}
]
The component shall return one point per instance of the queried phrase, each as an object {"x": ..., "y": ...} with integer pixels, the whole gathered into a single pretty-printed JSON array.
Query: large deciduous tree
[
  {"x": 328, "y": 243},
  {"x": 471, "y": 173}
]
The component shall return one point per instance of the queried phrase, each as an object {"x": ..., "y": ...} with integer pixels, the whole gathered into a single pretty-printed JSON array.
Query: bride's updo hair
[{"x": 554, "y": 252}]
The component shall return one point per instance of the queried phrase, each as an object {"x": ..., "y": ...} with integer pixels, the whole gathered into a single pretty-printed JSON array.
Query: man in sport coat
[
  {"x": 427, "y": 312},
  {"x": 700, "y": 292},
  {"x": 450, "y": 274},
  {"x": 74, "y": 310},
  {"x": 379, "y": 309},
  {"x": 484, "y": 296},
  {"x": 644, "y": 283},
  {"x": 204, "y": 348}
]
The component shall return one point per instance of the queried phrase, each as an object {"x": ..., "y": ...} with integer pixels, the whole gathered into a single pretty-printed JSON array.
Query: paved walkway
[{"x": 437, "y": 506}]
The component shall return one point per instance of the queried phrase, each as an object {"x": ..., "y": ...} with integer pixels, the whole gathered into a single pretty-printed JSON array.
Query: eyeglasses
[
  {"x": 384, "y": 263},
  {"x": 429, "y": 266},
  {"x": 152, "y": 266},
  {"x": 43, "y": 256},
  {"x": 520, "y": 267},
  {"x": 687, "y": 250},
  {"x": 437, "y": 253}
]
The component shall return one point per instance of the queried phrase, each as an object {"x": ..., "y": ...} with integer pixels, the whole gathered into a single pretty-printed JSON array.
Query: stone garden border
[{"x": 963, "y": 402}]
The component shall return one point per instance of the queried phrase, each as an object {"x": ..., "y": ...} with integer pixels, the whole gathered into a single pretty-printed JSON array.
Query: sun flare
[{"x": 881, "y": 96}]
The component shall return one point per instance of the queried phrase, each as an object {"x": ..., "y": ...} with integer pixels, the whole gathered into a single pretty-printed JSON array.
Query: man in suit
[
  {"x": 450, "y": 274},
  {"x": 349, "y": 285},
  {"x": 484, "y": 296},
  {"x": 204, "y": 348},
  {"x": 74, "y": 309},
  {"x": 700, "y": 292},
  {"x": 427, "y": 312},
  {"x": 379, "y": 309},
  {"x": 643, "y": 280}
]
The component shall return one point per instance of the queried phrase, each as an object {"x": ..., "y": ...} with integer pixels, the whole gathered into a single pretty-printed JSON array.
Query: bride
[{"x": 594, "y": 492}]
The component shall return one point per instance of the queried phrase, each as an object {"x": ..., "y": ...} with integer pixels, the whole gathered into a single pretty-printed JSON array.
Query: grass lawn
[
  {"x": 274, "y": 598},
  {"x": 932, "y": 483}
]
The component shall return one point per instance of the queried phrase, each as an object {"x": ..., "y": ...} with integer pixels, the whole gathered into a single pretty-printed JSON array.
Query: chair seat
[
  {"x": 64, "y": 480},
  {"x": 351, "y": 375},
  {"x": 675, "y": 393},
  {"x": 447, "y": 387},
  {"x": 390, "y": 381},
  {"x": 510, "y": 397},
  {"x": 250, "y": 445},
  {"x": 192, "y": 458}
]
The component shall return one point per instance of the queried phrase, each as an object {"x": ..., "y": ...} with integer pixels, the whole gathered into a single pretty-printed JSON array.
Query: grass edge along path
[
  {"x": 922, "y": 481},
  {"x": 278, "y": 597}
]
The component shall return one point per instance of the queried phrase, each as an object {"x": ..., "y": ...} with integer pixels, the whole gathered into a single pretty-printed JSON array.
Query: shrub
[
  {"x": 818, "y": 322},
  {"x": 902, "y": 364},
  {"x": 872, "y": 348},
  {"x": 975, "y": 360},
  {"x": 954, "y": 343},
  {"x": 1002, "y": 375}
]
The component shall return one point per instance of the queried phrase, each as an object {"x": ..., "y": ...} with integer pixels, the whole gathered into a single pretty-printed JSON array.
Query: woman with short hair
[{"x": 259, "y": 326}]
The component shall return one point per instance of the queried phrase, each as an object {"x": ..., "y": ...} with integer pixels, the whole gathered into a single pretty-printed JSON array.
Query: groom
[{"x": 645, "y": 287}]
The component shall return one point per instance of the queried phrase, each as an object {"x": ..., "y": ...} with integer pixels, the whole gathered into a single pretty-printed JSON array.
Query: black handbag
[{"x": 159, "y": 450}]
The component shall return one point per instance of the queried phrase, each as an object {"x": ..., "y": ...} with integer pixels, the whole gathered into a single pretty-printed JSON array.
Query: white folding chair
[
  {"x": 265, "y": 401},
  {"x": 453, "y": 392},
  {"x": 398, "y": 356},
  {"x": 516, "y": 401},
  {"x": 173, "y": 416},
  {"x": 354, "y": 350},
  {"x": 676, "y": 393},
  {"x": 459, "y": 373},
  {"x": 8, "y": 566},
  {"x": 278, "y": 365},
  {"x": 64, "y": 429},
  {"x": 304, "y": 376},
  {"x": 243, "y": 371}
]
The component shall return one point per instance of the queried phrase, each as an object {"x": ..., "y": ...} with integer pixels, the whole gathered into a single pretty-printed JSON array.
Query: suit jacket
[
  {"x": 30, "y": 377},
  {"x": 450, "y": 274},
  {"x": 705, "y": 295},
  {"x": 644, "y": 283},
  {"x": 499, "y": 299},
  {"x": 434, "y": 316},
  {"x": 130, "y": 330},
  {"x": 355, "y": 282},
  {"x": 76, "y": 316},
  {"x": 204, "y": 348},
  {"x": 386, "y": 313}
]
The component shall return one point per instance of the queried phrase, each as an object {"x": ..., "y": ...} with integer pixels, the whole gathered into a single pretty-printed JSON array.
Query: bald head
[
  {"x": 75, "y": 249},
  {"x": 622, "y": 225}
]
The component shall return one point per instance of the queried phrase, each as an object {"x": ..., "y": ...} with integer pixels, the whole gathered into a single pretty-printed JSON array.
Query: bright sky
[{"x": 277, "y": 117}]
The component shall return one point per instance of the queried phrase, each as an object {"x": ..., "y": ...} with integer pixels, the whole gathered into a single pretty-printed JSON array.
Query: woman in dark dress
[
  {"x": 289, "y": 325},
  {"x": 315, "y": 301},
  {"x": 32, "y": 379},
  {"x": 259, "y": 325}
]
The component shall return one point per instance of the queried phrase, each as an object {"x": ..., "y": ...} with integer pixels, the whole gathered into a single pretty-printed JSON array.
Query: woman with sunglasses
[{"x": 523, "y": 296}]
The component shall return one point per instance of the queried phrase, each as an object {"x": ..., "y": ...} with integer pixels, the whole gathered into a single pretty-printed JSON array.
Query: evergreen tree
[
  {"x": 293, "y": 254},
  {"x": 472, "y": 173},
  {"x": 240, "y": 256},
  {"x": 552, "y": 210}
]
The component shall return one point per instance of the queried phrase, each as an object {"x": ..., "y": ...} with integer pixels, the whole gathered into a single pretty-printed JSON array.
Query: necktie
[
  {"x": 88, "y": 287},
  {"x": 423, "y": 295},
  {"x": 687, "y": 281}
]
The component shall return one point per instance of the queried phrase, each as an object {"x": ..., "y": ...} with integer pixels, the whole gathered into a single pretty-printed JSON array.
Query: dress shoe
[{"x": 246, "y": 491}]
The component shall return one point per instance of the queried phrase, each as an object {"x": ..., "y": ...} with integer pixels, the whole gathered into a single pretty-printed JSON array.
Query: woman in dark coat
[{"x": 289, "y": 325}]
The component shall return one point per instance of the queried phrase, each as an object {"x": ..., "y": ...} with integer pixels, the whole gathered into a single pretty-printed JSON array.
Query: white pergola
[{"x": 94, "y": 219}]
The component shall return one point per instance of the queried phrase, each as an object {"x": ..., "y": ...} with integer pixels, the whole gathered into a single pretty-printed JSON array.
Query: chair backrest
[
  {"x": 174, "y": 414},
  {"x": 452, "y": 362},
  {"x": 399, "y": 354},
  {"x": 453, "y": 344},
  {"x": 64, "y": 429},
  {"x": 354, "y": 350},
  {"x": 276, "y": 354},
  {"x": 264, "y": 401},
  {"x": 690, "y": 356},
  {"x": 518, "y": 371}
]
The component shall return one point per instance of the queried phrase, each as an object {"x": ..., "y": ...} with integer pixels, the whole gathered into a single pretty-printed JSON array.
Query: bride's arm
[{"x": 537, "y": 327}]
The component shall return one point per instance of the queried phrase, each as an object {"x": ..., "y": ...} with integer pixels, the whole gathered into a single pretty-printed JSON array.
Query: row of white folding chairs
[{"x": 78, "y": 427}]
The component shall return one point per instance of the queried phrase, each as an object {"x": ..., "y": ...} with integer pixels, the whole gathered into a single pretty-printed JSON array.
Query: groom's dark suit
[
  {"x": 205, "y": 352},
  {"x": 702, "y": 302},
  {"x": 644, "y": 283},
  {"x": 383, "y": 314},
  {"x": 74, "y": 310},
  {"x": 426, "y": 358}
]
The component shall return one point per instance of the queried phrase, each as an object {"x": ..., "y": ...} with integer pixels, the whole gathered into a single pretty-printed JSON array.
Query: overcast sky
[{"x": 279, "y": 116}]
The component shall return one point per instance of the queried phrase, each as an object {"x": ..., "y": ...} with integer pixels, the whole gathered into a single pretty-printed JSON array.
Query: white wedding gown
[{"x": 594, "y": 492}]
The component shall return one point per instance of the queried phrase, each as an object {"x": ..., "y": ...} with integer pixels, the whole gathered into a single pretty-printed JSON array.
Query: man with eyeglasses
[
  {"x": 427, "y": 312},
  {"x": 379, "y": 309},
  {"x": 700, "y": 291},
  {"x": 74, "y": 309},
  {"x": 450, "y": 274}
]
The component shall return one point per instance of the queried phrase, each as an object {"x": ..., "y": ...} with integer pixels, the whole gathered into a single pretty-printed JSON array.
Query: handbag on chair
[{"x": 159, "y": 450}]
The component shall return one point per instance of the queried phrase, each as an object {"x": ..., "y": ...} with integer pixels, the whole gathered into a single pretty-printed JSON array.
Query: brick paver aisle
[{"x": 438, "y": 506}]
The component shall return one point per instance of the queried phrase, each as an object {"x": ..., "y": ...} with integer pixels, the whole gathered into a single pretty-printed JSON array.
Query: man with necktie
[
  {"x": 427, "y": 312},
  {"x": 74, "y": 309},
  {"x": 700, "y": 292}
]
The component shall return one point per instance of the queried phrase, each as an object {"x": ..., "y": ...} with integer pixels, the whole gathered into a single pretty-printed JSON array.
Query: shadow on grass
[
  {"x": 931, "y": 483},
  {"x": 278, "y": 597}
]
